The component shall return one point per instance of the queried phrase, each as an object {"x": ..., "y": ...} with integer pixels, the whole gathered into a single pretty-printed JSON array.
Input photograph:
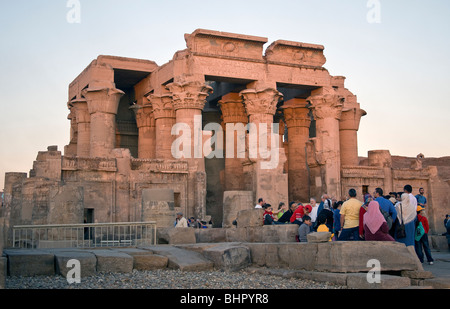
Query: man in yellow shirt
[{"x": 350, "y": 217}]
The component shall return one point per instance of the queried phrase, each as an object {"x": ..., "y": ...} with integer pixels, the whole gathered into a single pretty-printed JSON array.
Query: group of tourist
[{"x": 399, "y": 216}]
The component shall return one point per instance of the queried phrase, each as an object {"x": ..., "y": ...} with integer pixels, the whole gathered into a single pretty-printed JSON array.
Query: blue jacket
[{"x": 387, "y": 206}]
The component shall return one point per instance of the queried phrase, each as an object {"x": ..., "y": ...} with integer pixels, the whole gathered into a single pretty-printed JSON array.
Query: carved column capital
[
  {"x": 233, "y": 109},
  {"x": 103, "y": 100},
  {"x": 350, "y": 119},
  {"x": 162, "y": 106},
  {"x": 189, "y": 95},
  {"x": 144, "y": 115},
  {"x": 328, "y": 104},
  {"x": 261, "y": 102},
  {"x": 80, "y": 110},
  {"x": 296, "y": 113}
]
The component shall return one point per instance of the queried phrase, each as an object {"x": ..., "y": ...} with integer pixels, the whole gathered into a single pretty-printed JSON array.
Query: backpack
[
  {"x": 387, "y": 217},
  {"x": 420, "y": 231}
]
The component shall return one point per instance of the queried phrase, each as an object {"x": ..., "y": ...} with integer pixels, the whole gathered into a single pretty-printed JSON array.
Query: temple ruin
[{"x": 119, "y": 164}]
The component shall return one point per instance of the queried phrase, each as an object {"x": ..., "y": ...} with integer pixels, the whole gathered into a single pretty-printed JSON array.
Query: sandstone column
[
  {"x": 189, "y": 98},
  {"x": 267, "y": 177},
  {"x": 348, "y": 128},
  {"x": 145, "y": 121},
  {"x": 83, "y": 119},
  {"x": 296, "y": 115},
  {"x": 164, "y": 116},
  {"x": 103, "y": 103},
  {"x": 233, "y": 113},
  {"x": 326, "y": 106},
  {"x": 71, "y": 148}
]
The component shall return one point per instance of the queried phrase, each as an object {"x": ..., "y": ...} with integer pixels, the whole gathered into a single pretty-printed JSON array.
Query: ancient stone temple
[{"x": 225, "y": 122}]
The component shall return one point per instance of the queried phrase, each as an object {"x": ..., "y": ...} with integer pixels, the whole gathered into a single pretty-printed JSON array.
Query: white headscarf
[{"x": 406, "y": 208}]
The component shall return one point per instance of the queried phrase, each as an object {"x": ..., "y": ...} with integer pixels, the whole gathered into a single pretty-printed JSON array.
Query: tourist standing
[
  {"x": 406, "y": 214},
  {"x": 421, "y": 199},
  {"x": 350, "y": 217},
  {"x": 422, "y": 244},
  {"x": 337, "y": 218}
]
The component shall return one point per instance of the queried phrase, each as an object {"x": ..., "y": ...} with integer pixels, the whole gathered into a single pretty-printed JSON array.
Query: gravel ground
[{"x": 169, "y": 279}]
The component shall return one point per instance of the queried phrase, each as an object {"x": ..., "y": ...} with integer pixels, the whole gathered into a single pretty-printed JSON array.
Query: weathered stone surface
[
  {"x": 182, "y": 259},
  {"x": 145, "y": 259},
  {"x": 317, "y": 237},
  {"x": 392, "y": 256},
  {"x": 88, "y": 262},
  {"x": 30, "y": 263},
  {"x": 173, "y": 236},
  {"x": 158, "y": 205},
  {"x": 437, "y": 283},
  {"x": 417, "y": 274},
  {"x": 359, "y": 281},
  {"x": 438, "y": 242},
  {"x": 228, "y": 256},
  {"x": 113, "y": 261},
  {"x": 211, "y": 235},
  {"x": 250, "y": 218},
  {"x": 233, "y": 203}
]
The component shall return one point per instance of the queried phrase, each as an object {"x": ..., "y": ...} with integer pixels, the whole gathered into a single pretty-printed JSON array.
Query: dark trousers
[
  {"x": 423, "y": 244},
  {"x": 349, "y": 234}
]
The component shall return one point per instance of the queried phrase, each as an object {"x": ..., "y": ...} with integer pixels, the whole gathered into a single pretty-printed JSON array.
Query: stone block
[
  {"x": 28, "y": 263},
  {"x": 158, "y": 205},
  {"x": 88, "y": 262},
  {"x": 236, "y": 235},
  {"x": 233, "y": 203},
  {"x": 299, "y": 255},
  {"x": 250, "y": 218},
  {"x": 330, "y": 278},
  {"x": 438, "y": 242},
  {"x": 437, "y": 283},
  {"x": 145, "y": 260},
  {"x": 185, "y": 260},
  {"x": 317, "y": 237},
  {"x": 286, "y": 232},
  {"x": 175, "y": 236},
  {"x": 417, "y": 274},
  {"x": 230, "y": 257},
  {"x": 210, "y": 235},
  {"x": 393, "y": 256},
  {"x": 110, "y": 261},
  {"x": 359, "y": 281}
]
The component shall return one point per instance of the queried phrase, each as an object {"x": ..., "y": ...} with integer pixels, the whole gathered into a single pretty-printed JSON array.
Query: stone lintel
[
  {"x": 209, "y": 42},
  {"x": 296, "y": 53}
]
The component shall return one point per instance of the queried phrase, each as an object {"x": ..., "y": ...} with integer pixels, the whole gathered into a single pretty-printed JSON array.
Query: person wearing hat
[
  {"x": 422, "y": 244},
  {"x": 181, "y": 221}
]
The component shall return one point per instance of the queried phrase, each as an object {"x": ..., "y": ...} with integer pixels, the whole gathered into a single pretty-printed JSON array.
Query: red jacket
[
  {"x": 300, "y": 212},
  {"x": 424, "y": 221}
]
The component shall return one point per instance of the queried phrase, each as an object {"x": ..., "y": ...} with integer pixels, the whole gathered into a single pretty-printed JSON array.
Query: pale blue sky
[{"x": 398, "y": 68}]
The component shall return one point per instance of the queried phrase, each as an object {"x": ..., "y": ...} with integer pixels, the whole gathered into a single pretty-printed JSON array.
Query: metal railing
[{"x": 126, "y": 234}]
